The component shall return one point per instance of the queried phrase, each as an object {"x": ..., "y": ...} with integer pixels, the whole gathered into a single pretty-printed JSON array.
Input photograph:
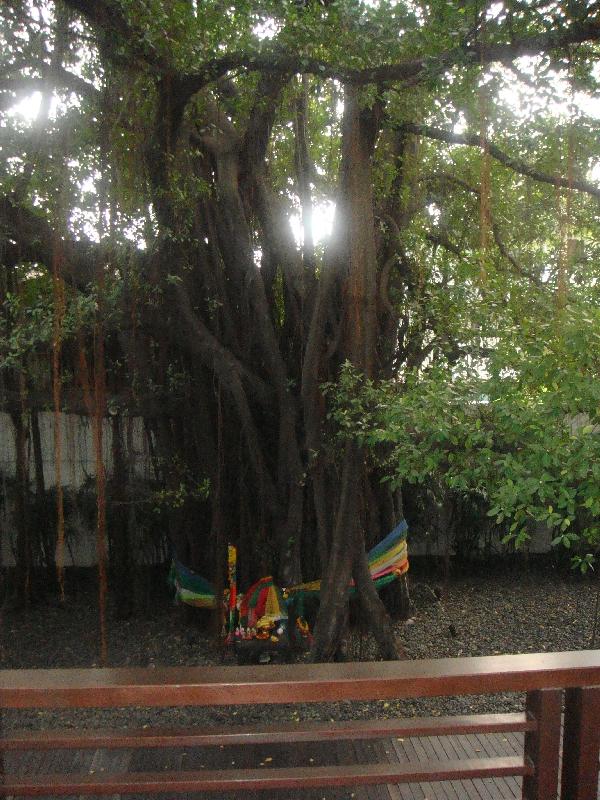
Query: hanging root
[
  {"x": 59, "y": 314},
  {"x": 485, "y": 224}
]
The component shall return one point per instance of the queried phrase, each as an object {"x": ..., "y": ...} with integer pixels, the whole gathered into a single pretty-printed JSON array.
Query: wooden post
[
  {"x": 581, "y": 747},
  {"x": 542, "y": 746},
  {"x": 2, "y": 769}
]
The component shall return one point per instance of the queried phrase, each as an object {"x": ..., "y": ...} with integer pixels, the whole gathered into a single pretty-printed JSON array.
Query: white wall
[
  {"x": 78, "y": 460},
  {"x": 78, "y": 464},
  {"x": 431, "y": 545}
]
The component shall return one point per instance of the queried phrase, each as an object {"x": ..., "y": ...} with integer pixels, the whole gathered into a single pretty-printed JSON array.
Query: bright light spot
[
  {"x": 460, "y": 126},
  {"x": 594, "y": 173},
  {"x": 88, "y": 185},
  {"x": 494, "y": 10},
  {"x": 434, "y": 212},
  {"x": 83, "y": 223},
  {"x": 28, "y": 109},
  {"x": 267, "y": 29},
  {"x": 34, "y": 272},
  {"x": 589, "y": 105},
  {"x": 40, "y": 15},
  {"x": 133, "y": 234},
  {"x": 555, "y": 99},
  {"x": 323, "y": 215}
]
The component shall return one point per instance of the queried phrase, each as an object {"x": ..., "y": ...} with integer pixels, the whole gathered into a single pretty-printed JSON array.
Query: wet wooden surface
[
  {"x": 494, "y": 755},
  {"x": 399, "y": 749},
  {"x": 291, "y": 683}
]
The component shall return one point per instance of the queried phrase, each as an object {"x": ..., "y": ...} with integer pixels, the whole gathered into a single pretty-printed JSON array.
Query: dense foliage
[
  {"x": 168, "y": 169},
  {"x": 523, "y": 434}
]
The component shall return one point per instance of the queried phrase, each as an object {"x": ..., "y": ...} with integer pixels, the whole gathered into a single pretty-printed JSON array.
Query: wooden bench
[{"x": 548, "y": 679}]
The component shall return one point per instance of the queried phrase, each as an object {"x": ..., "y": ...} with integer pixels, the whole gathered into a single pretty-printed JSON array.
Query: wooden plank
[
  {"x": 347, "y": 753},
  {"x": 363, "y": 753},
  {"x": 251, "y": 779},
  {"x": 472, "y": 750},
  {"x": 83, "y": 763},
  {"x": 107, "y": 761},
  {"x": 582, "y": 740},
  {"x": 453, "y": 747},
  {"x": 440, "y": 754},
  {"x": 177, "y": 686},
  {"x": 516, "y": 743},
  {"x": 404, "y": 754},
  {"x": 414, "y": 755},
  {"x": 493, "y": 745},
  {"x": 542, "y": 747},
  {"x": 385, "y": 753},
  {"x": 264, "y": 734},
  {"x": 433, "y": 791},
  {"x": 485, "y": 786}
]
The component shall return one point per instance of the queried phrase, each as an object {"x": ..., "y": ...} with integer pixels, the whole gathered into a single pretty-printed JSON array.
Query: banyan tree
[{"x": 162, "y": 210}]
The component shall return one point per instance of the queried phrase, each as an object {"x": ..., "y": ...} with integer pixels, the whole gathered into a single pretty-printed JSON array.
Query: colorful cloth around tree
[
  {"x": 388, "y": 560},
  {"x": 191, "y": 588}
]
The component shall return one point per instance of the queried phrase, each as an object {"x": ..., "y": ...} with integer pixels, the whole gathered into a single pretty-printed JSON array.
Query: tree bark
[
  {"x": 47, "y": 540},
  {"x": 24, "y": 559},
  {"x": 357, "y": 265},
  {"x": 120, "y": 552}
]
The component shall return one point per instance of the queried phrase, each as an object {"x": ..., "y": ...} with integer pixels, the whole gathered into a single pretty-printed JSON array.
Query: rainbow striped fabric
[
  {"x": 387, "y": 561},
  {"x": 191, "y": 588}
]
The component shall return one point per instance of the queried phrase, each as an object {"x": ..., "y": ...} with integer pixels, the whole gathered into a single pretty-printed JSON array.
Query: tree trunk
[
  {"x": 333, "y": 610},
  {"x": 121, "y": 565},
  {"x": 24, "y": 565},
  {"x": 43, "y": 523},
  {"x": 357, "y": 266}
]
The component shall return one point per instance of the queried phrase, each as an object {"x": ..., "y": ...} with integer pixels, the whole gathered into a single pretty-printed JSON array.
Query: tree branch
[
  {"x": 107, "y": 16},
  {"x": 439, "y": 238},
  {"x": 504, "y": 251},
  {"x": 214, "y": 355},
  {"x": 260, "y": 121},
  {"x": 230, "y": 372},
  {"x": 56, "y": 78},
  {"x": 26, "y": 235},
  {"x": 419, "y": 68},
  {"x": 516, "y": 164}
]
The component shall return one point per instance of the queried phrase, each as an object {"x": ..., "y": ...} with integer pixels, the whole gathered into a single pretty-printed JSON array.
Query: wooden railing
[{"x": 549, "y": 680}]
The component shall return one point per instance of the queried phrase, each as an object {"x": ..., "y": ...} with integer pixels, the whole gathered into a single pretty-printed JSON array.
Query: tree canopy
[{"x": 169, "y": 170}]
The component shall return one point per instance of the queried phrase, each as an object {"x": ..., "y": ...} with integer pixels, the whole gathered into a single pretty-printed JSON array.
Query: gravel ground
[{"x": 480, "y": 615}]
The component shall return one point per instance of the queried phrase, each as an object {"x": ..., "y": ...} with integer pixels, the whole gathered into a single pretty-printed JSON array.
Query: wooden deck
[
  {"x": 404, "y": 750},
  {"x": 253, "y": 761}
]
